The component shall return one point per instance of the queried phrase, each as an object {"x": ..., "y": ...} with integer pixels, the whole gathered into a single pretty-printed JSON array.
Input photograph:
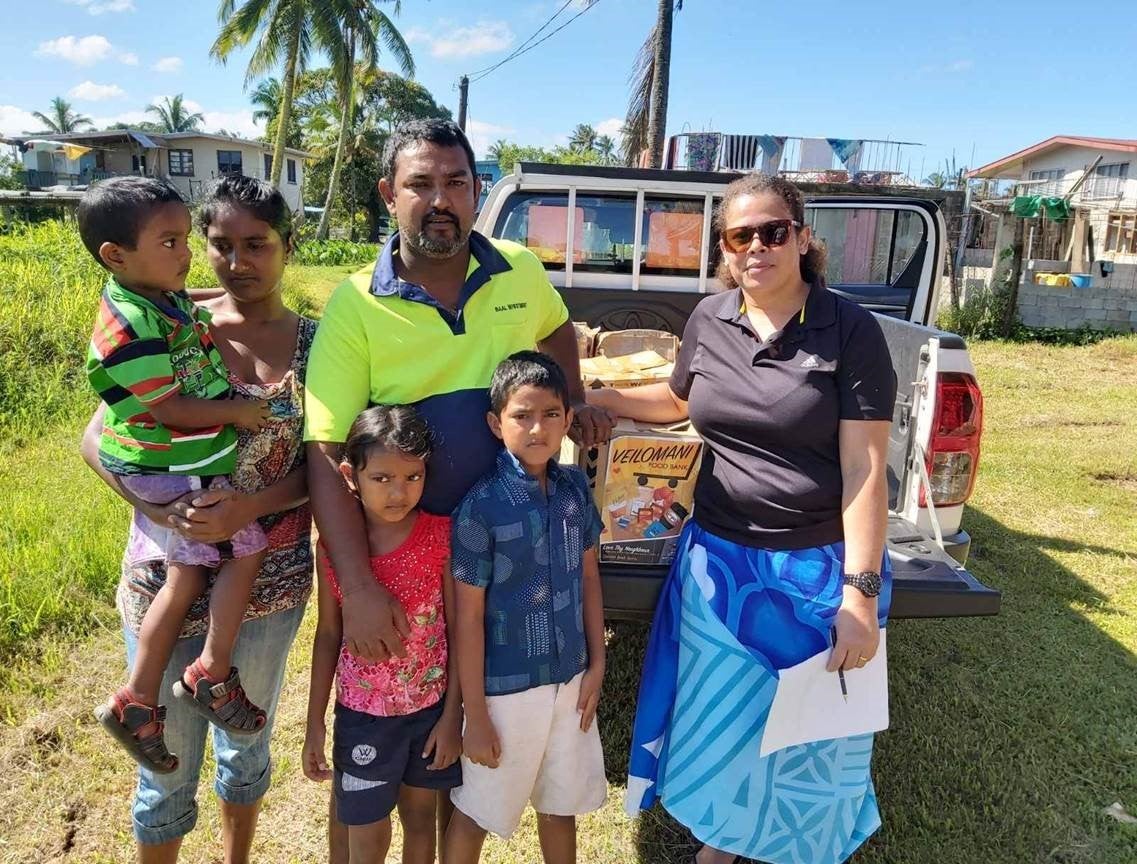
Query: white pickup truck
[{"x": 639, "y": 252}]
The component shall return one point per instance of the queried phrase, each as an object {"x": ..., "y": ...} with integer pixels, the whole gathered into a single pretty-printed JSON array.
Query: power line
[
  {"x": 532, "y": 36},
  {"x": 518, "y": 53}
]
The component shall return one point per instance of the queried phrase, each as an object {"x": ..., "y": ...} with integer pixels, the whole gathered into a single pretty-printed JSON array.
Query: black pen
[{"x": 840, "y": 671}]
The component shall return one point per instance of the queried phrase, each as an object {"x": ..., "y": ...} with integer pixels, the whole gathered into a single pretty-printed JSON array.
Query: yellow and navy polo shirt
[{"x": 385, "y": 341}]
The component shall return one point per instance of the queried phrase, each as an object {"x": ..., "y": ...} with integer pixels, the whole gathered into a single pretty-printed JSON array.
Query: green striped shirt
[{"x": 141, "y": 353}]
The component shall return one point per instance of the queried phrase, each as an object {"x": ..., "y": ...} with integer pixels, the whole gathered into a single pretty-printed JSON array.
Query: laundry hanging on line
[
  {"x": 739, "y": 152},
  {"x": 772, "y": 148},
  {"x": 702, "y": 150},
  {"x": 1032, "y": 206},
  {"x": 848, "y": 151}
]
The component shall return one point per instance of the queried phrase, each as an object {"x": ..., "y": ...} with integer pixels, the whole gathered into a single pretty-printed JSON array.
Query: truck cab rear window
[
  {"x": 604, "y": 232},
  {"x": 673, "y": 236}
]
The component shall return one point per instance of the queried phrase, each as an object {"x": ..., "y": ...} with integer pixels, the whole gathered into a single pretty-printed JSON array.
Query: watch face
[{"x": 868, "y": 582}]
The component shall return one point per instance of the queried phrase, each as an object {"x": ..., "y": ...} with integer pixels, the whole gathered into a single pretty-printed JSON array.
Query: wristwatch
[{"x": 868, "y": 582}]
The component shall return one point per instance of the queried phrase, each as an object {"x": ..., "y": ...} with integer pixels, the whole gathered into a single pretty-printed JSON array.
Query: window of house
[
  {"x": 181, "y": 163},
  {"x": 673, "y": 236},
  {"x": 228, "y": 162},
  {"x": 1108, "y": 181},
  {"x": 138, "y": 163},
  {"x": 268, "y": 165},
  {"x": 1121, "y": 233},
  {"x": 1045, "y": 182},
  {"x": 290, "y": 165}
]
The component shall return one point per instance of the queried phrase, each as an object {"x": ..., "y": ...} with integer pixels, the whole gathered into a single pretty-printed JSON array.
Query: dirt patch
[
  {"x": 1126, "y": 480},
  {"x": 73, "y": 815}
]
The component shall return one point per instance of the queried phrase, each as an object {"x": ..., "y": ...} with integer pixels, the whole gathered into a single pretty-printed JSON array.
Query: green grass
[
  {"x": 60, "y": 534},
  {"x": 1009, "y": 736}
]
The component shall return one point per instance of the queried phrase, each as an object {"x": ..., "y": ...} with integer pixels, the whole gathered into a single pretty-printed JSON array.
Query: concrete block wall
[{"x": 1108, "y": 304}]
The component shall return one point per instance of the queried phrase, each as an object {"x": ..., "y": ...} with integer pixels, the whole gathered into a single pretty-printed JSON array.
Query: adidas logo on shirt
[{"x": 809, "y": 362}]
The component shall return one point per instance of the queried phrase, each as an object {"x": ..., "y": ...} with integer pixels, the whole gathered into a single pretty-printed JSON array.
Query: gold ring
[{"x": 862, "y": 660}]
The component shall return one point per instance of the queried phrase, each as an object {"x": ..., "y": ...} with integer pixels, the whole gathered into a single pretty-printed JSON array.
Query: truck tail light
[{"x": 953, "y": 456}]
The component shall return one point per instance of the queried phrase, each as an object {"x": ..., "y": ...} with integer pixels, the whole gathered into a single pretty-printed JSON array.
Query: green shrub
[{"x": 333, "y": 252}]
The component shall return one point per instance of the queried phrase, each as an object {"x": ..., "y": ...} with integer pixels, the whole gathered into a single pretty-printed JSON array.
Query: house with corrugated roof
[{"x": 189, "y": 160}]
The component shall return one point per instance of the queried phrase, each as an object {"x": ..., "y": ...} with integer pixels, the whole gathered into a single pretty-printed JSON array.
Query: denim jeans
[{"x": 165, "y": 805}]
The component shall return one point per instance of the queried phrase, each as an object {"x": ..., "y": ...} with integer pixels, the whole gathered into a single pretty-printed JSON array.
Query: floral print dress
[
  {"x": 263, "y": 458},
  {"x": 413, "y": 573}
]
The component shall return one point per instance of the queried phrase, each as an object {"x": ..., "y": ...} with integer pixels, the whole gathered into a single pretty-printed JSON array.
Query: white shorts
[{"x": 545, "y": 759}]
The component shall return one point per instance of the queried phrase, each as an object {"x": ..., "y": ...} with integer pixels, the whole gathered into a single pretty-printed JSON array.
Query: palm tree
[
  {"x": 61, "y": 119},
  {"x": 937, "y": 180},
  {"x": 583, "y": 137},
  {"x": 173, "y": 116},
  {"x": 646, "y": 123},
  {"x": 606, "y": 148},
  {"x": 266, "y": 100},
  {"x": 363, "y": 27},
  {"x": 286, "y": 31},
  {"x": 497, "y": 149}
]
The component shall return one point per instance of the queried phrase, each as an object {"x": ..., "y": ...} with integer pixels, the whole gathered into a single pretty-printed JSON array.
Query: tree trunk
[
  {"x": 657, "y": 115},
  {"x": 1010, "y": 312},
  {"x": 348, "y": 97},
  {"x": 285, "y": 114}
]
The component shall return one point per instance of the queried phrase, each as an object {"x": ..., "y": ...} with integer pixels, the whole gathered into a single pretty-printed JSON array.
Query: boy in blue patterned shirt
[{"x": 530, "y": 626}]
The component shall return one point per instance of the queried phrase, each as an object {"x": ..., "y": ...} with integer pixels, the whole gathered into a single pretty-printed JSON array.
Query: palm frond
[
  {"x": 395, "y": 44},
  {"x": 639, "y": 101}
]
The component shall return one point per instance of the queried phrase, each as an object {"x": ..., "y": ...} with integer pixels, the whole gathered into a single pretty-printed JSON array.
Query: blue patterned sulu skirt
[{"x": 729, "y": 617}]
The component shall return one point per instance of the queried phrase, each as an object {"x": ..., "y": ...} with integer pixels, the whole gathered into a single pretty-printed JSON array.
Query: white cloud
[
  {"x": 961, "y": 66},
  {"x": 482, "y": 135},
  {"x": 485, "y": 37},
  {"x": 15, "y": 120},
  {"x": 610, "y": 127},
  {"x": 240, "y": 123},
  {"x": 168, "y": 64},
  {"x": 130, "y": 117},
  {"x": 83, "y": 50},
  {"x": 98, "y": 7},
  {"x": 92, "y": 92}
]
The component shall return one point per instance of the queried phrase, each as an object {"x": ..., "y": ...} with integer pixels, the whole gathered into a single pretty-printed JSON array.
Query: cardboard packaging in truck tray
[{"x": 643, "y": 482}]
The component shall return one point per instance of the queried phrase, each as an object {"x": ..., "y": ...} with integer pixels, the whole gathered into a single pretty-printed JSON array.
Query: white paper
[{"x": 808, "y": 704}]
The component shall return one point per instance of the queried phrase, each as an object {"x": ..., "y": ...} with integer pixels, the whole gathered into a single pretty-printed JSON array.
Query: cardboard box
[
  {"x": 632, "y": 370},
  {"x": 620, "y": 343},
  {"x": 585, "y": 338},
  {"x": 643, "y": 482}
]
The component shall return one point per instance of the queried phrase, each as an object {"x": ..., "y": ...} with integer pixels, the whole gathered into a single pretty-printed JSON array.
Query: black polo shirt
[{"x": 769, "y": 411}]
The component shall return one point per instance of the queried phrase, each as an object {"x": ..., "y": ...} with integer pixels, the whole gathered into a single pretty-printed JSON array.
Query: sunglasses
[{"x": 771, "y": 234}]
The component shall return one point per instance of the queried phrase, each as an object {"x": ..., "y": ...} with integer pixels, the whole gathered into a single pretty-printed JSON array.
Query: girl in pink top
[{"x": 397, "y": 732}]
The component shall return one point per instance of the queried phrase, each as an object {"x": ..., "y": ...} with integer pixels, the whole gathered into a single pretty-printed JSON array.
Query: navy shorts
[{"x": 373, "y": 756}]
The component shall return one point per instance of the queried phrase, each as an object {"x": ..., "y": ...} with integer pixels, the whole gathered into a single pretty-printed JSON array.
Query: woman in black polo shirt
[{"x": 792, "y": 389}]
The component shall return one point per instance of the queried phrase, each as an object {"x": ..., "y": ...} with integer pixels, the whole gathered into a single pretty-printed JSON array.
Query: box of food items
[{"x": 643, "y": 482}]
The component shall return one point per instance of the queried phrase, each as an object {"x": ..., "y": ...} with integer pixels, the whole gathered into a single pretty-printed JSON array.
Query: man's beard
[{"x": 424, "y": 244}]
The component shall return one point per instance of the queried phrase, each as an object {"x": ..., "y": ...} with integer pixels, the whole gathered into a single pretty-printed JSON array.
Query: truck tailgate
[{"x": 926, "y": 582}]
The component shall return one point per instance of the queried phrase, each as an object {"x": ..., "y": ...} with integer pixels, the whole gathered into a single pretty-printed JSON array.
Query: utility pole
[{"x": 463, "y": 96}]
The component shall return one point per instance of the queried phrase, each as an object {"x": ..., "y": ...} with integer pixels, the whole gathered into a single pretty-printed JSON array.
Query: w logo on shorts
[{"x": 363, "y": 754}]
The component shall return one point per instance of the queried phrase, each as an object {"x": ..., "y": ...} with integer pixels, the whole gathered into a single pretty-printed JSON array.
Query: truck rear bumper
[{"x": 926, "y": 581}]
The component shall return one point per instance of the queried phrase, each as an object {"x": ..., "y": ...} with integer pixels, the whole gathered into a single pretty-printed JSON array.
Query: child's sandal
[
  {"x": 123, "y": 717},
  {"x": 236, "y": 714}
]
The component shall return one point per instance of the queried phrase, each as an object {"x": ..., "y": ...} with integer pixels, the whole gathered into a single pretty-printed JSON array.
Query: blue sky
[{"x": 971, "y": 77}]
